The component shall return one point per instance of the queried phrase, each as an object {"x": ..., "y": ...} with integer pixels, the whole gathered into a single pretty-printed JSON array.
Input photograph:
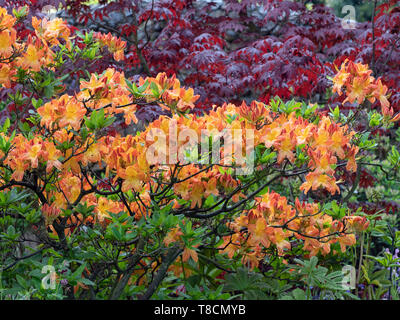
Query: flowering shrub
[{"x": 196, "y": 196}]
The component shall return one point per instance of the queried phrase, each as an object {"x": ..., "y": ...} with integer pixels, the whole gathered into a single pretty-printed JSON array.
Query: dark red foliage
[
  {"x": 366, "y": 179},
  {"x": 229, "y": 51},
  {"x": 384, "y": 206}
]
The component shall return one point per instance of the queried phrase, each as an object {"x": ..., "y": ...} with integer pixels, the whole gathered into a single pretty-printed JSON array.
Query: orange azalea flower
[
  {"x": 51, "y": 31},
  {"x": 47, "y": 113},
  {"x": 339, "y": 81},
  {"x": 361, "y": 85},
  {"x": 129, "y": 114},
  {"x": 280, "y": 240},
  {"x": 322, "y": 162},
  {"x": 196, "y": 194},
  {"x": 95, "y": 153},
  {"x": 253, "y": 113},
  {"x": 286, "y": 146},
  {"x": 132, "y": 179},
  {"x": 70, "y": 186},
  {"x": 211, "y": 187},
  {"x": 66, "y": 110},
  {"x": 187, "y": 99},
  {"x": 7, "y": 39},
  {"x": 6, "y": 21},
  {"x": 316, "y": 180},
  {"x": 33, "y": 58},
  {"x": 359, "y": 69},
  {"x": 380, "y": 94},
  {"x": 351, "y": 154},
  {"x": 251, "y": 260},
  {"x": 114, "y": 44},
  {"x": 105, "y": 206},
  {"x": 34, "y": 152},
  {"x": 63, "y": 135},
  {"x": 357, "y": 223},
  {"x": 51, "y": 154},
  {"x": 73, "y": 115},
  {"x": 303, "y": 133},
  {"x": 346, "y": 240},
  {"x": 19, "y": 167},
  {"x": 271, "y": 136},
  {"x": 359, "y": 89},
  {"x": 260, "y": 233},
  {"x": 322, "y": 135},
  {"x": 7, "y": 74},
  {"x": 94, "y": 85},
  {"x": 178, "y": 270},
  {"x": 73, "y": 161},
  {"x": 338, "y": 140}
]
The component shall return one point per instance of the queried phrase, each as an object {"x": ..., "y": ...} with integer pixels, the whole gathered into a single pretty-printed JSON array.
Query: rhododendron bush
[{"x": 185, "y": 204}]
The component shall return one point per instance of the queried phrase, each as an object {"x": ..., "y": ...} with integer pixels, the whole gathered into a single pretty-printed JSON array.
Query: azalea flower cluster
[
  {"x": 274, "y": 221},
  {"x": 50, "y": 32},
  {"x": 33, "y": 53},
  {"x": 175, "y": 97},
  {"x": 325, "y": 143},
  {"x": 39, "y": 50},
  {"x": 123, "y": 158},
  {"x": 114, "y": 44},
  {"x": 360, "y": 85},
  {"x": 62, "y": 152}
]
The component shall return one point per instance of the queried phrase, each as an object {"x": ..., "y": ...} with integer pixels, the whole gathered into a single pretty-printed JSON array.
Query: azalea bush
[{"x": 249, "y": 200}]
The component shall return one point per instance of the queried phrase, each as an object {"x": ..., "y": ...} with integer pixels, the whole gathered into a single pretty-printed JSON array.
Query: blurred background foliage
[{"x": 363, "y": 8}]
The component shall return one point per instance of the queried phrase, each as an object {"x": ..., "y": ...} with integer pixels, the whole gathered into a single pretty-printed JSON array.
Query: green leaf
[
  {"x": 6, "y": 125},
  {"x": 154, "y": 90},
  {"x": 142, "y": 88},
  {"x": 21, "y": 281},
  {"x": 78, "y": 273},
  {"x": 299, "y": 294},
  {"x": 87, "y": 282}
]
